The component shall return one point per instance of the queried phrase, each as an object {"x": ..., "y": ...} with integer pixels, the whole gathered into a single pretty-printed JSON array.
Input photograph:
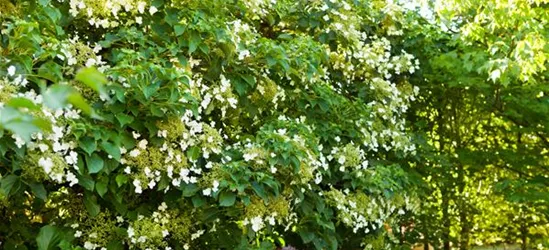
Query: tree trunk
[
  {"x": 464, "y": 234},
  {"x": 524, "y": 236},
  {"x": 446, "y": 220}
]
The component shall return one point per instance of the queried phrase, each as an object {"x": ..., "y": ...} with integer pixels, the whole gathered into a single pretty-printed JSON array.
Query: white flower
[
  {"x": 131, "y": 232},
  {"x": 243, "y": 54},
  {"x": 143, "y": 144},
  {"x": 152, "y": 183},
  {"x": 257, "y": 223},
  {"x": 43, "y": 147},
  {"x": 71, "y": 61},
  {"x": 72, "y": 158},
  {"x": 207, "y": 192},
  {"x": 249, "y": 157},
  {"x": 141, "y": 7},
  {"x": 90, "y": 62},
  {"x": 19, "y": 142},
  {"x": 153, "y": 10},
  {"x": 71, "y": 178},
  {"x": 271, "y": 221},
  {"x": 88, "y": 245},
  {"x": 232, "y": 101},
  {"x": 77, "y": 234},
  {"x": 341, "y": 159},
  {"x": 137, "y": 185},
  {"x": 135, "y": 152},
  {"x": 45, "y": 163},
  {"x": 165, "y": 233},
  {"x": 138, "y": 20},
  {"x": 215, "y": 185},
  {"x": 11, "y": 70}
]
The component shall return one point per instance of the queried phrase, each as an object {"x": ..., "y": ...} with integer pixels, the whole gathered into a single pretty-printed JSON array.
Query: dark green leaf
[
  {"x": 227, "y": 199},
  {"x": 90, "y": 202},
  {"x": 48, "y": 238},
  {"x": 39, "y": 190},
  {"x": 95, "y": 163}
]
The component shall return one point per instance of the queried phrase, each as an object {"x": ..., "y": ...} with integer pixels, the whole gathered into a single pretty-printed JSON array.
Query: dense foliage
[
  {"x": 202, "y": 124},
  {"x": 263, "y": 124}
]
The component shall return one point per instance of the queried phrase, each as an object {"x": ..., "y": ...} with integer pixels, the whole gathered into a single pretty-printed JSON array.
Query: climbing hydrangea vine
[{"x": 202, "y": 124}]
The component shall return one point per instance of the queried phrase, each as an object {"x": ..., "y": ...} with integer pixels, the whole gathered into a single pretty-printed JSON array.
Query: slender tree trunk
[
  {"x": 463, "y": 210},
  {"x": 524, "y": 236},
  {"x": 446, "y": 220},
  {"x": 464, "y": 234}
]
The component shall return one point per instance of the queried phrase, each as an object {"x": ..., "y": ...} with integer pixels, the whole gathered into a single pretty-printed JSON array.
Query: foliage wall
[{"x": 203, "y": 124}]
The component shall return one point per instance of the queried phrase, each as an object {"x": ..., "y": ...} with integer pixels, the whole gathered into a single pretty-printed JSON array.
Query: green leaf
[
  {"x": 259, "y": 190},
  {"x": 190, "y": 190},
  {"x": 9, "y": 182},
  {"x": 20, "y": 102},
  {"x": 306, "y": 236},
  {"x": 79, "y": 102},
  {"x": 101, "y": 186},
  {"x": 227, "y": 199},
  {"x": 179, "y": 29},
  {"x": 48, "y": 238},
  {"x": 150, "y": 89},
  {"x": 198, "y": 201},
  {"x": 95, "y": 163},
  {"x": 55, "y": 97},
  {"x": 249, "y": 79},
  {"x": 86, "y": 181},
  {"x": 240, "y": 87},
  {"x": 93, "y": 79},
  {"x": 194, "y": 41},
  {"x": 90, "y": 202},
  {"x": 43, "y": 2},
  {"x": 51, "y": 71},
  {"x": 121, "y": 179},
  {"x": 87, "y": 144},
  {"x": 123, "y": 119},
  {"x": 115, "y": 245},
  {"x": 193, "y": 153},
  {"x": 112, "y": 150},
  {"x": 39, "y": 190},
  {"x": 24, "y": 129}
]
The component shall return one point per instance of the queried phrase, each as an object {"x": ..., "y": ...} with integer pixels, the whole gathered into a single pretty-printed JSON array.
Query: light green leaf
[{"x": 93, "y": 79}]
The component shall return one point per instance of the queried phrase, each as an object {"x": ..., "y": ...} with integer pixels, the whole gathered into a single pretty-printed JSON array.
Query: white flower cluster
[
  {"x": 366, "y": 217},
  {"x": 110, "y": 13},
  {"x": 58, "y": 158},
  {"x": 160, "y": 217},
  {"x": 259, "y": 8},
  {"x": 351, "y": 156},
  {"x": 219, "y": 96},
  {"x": 11, "y": 77}
]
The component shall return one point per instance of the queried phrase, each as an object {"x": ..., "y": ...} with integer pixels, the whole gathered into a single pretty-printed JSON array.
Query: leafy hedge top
[{"x": 202, "y": 124}]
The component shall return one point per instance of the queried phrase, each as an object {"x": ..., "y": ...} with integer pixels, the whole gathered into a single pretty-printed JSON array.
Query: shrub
[{"x": 202, "y": 124}]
